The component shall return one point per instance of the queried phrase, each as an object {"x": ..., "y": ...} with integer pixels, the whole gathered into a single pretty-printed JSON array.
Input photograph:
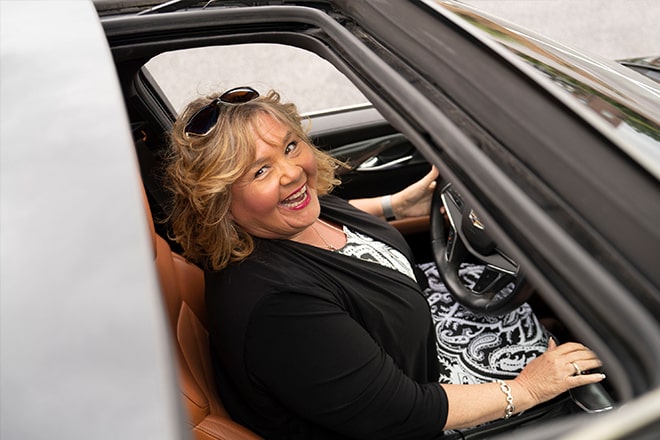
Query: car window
[{"x": 300, "y": 76}]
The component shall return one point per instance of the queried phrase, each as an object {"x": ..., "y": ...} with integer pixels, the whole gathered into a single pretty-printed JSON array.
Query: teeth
[{"x": 295, "y": 198}]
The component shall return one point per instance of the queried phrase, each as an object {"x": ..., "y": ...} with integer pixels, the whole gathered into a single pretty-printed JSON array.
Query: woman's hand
[
  {"x": 547, "y": 376},
  {"x": 559, "y": 369},
  {"x": 415, "y": 200}
]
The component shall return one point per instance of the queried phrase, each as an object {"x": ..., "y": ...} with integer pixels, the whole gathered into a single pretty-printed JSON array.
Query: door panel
[{"x": 381, "y": 160}]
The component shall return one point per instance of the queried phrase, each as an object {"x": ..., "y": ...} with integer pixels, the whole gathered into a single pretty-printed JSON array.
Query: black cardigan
[{"x": 312, "y": 344}]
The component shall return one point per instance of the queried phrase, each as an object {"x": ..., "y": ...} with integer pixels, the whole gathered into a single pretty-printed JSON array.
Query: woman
[{"x": 318, "y": 325}]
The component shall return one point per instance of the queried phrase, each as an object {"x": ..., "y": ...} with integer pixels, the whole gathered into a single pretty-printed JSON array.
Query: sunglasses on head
[{"x": 203, "y": 121}]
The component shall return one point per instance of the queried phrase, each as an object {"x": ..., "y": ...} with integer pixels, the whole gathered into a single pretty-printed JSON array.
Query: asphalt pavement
[{"x": 613, "y": 29}]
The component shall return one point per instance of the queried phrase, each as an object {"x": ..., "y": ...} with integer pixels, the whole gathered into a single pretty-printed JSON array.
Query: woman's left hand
[{"x": 415, "y": 200}]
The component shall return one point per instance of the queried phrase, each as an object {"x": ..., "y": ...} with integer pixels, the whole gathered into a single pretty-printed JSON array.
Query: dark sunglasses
[{"x": 203, "y": 121}]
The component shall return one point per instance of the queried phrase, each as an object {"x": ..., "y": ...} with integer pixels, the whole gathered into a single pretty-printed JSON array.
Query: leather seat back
[{"x": 182, "y": 286}]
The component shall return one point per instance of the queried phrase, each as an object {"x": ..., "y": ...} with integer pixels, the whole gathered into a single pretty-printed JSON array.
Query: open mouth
[{"x": 297, "y": 200}]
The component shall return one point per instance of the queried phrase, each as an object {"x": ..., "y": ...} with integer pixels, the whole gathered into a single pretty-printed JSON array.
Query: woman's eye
[
  {"x": 291, "y": 147},
  {"x": 260, "y": 172}
]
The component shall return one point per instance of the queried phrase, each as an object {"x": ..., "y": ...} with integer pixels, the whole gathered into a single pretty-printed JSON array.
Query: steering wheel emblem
[{"x": 475, "y": 220}]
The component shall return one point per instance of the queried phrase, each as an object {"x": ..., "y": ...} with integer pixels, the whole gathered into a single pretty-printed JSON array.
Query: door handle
[{"x": 374, "y": 163}]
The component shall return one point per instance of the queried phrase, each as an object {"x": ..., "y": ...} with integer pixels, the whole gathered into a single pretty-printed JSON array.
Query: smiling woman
[
  {"x": 277, "y": 196},
  {"x": 316, "y": 314},
  {"x": 238, "y": 166}
]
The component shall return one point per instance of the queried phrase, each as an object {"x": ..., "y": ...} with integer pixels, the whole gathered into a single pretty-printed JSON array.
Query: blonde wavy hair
[{"x": 200, "y": 171}]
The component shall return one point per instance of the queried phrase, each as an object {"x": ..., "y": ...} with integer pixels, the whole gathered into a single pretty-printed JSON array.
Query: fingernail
[{"x": 602, "y": 376}]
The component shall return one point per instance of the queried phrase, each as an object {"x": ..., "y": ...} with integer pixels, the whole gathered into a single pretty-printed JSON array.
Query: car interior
[
  {"x": 381, "y": 161},
  {"x": 553, "y": 149}
]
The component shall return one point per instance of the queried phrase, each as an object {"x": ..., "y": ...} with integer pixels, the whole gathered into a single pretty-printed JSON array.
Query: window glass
[{"x": 300, "y": 76}]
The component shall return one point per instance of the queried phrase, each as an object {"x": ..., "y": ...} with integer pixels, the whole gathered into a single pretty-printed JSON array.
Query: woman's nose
[{"x": 290, "y": 173}]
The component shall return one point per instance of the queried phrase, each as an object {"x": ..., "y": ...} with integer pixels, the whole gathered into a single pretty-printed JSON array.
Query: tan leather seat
[{"x": 182, "y": 285}]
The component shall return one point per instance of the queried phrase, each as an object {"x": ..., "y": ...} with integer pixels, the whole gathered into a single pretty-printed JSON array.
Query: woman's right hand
[
  {"x": 558, "y": 370},
  {"x": 545, "y": 377}
]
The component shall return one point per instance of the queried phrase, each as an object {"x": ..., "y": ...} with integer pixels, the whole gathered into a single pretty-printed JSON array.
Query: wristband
[
  {"x": 386, "y": 203},
  {"x": 506, "y": 389}
]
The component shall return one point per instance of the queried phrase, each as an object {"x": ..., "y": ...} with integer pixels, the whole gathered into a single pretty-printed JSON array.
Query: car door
[{"x": 84, "y": 347}]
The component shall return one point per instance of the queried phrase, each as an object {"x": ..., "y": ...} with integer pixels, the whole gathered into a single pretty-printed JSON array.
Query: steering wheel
[{"x": 500, "y": 288}]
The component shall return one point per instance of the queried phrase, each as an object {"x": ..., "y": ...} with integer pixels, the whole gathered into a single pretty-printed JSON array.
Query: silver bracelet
[
  {"x": 386, "y": 203},
  {"x": 506, "y": 389}
]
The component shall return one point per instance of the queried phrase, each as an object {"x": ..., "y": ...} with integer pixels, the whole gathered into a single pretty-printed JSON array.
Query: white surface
[{"x": 84, "y": 350}]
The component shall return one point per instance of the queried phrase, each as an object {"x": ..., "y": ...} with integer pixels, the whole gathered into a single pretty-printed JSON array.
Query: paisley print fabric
[
  {"x": 474, "y": 348},
  {"x": 471, "y": 348},
  {"x": 366, "y": 248}
]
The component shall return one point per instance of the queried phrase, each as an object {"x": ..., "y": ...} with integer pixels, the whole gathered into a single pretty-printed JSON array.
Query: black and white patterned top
[
  {"x": 471, "y": 348},
  {"x": 366, "y": 248}
]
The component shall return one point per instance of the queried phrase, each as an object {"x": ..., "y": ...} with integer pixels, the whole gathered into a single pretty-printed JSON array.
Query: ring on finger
[{"x": 578, "y": 371}]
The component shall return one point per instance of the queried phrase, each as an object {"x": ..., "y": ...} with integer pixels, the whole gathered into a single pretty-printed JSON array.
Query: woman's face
[{"x": 276, "y": 197}]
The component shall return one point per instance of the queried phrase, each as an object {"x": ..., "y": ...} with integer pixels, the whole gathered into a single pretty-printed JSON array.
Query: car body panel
[
  {"x": 85, "y": 351},
  {"x": 597, "y": 90}
]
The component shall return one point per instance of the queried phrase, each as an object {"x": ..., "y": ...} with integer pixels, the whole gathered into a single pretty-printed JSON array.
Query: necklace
[{"x": 328, "y": 245}]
